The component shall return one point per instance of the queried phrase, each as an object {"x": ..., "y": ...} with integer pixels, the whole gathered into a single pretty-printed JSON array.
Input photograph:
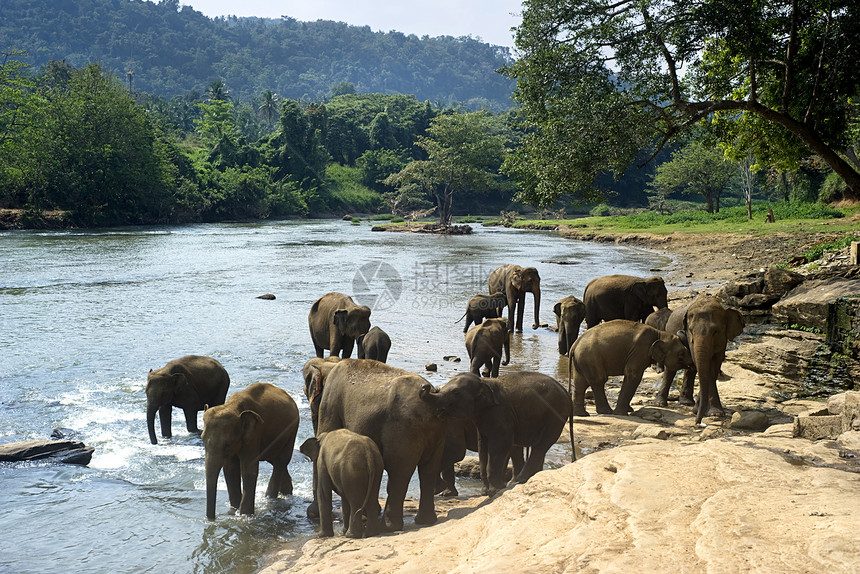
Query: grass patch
[
  {"x": 819, "y": 250},
  {"x": 344, "y": 187}
]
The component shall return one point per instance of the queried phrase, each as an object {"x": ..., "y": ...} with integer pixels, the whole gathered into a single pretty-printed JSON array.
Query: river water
[{"x": 86, "y": 314}]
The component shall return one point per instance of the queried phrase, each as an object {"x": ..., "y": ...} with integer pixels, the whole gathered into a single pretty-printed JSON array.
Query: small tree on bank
[{"x": 463, "y": 154}]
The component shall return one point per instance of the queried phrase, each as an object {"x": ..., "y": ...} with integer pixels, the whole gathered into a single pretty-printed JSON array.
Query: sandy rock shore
[{"x": 654, "y": 492}]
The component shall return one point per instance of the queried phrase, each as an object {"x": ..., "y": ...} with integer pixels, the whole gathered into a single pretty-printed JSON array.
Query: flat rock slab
[
  {"x": 660, "y": 506},
  {"x": 807, "y": 303},
  {"x": 66, "y": 451}
]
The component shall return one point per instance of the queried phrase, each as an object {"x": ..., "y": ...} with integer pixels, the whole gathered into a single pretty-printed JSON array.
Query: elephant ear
[
  {"x": 249, "y": 422},
  {"x": 489, "y": 395},
  {"x": 340, "y": 318},
  {"x": 557, "y": 309},
  {"x": 734, "y": 323},
  {"x": 311, "y": 448},
  {"x": 315, "y": 385},
  {"x": 640, "y": 291},
  {"x": 517, "y": 279},
  {"x": 657, "y": 352},
  {"x": 683, "y": 336}
]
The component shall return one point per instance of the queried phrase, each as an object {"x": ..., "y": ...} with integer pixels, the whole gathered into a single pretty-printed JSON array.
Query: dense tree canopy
[
  {"x": 169, "y": 48},
  {"x": 599, "y": 80}
]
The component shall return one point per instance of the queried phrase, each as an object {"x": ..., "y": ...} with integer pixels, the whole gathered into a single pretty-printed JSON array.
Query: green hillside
[{"x": 173, "y": 49}]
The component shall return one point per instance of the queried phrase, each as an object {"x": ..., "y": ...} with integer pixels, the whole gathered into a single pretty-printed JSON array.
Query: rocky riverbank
[{"x": 654, "y": 492}]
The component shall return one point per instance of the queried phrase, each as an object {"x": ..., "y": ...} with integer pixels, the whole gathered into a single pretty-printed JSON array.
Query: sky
[{"x": 489, "y": 20}]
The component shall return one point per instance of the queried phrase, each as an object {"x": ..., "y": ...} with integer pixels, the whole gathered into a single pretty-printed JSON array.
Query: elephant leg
[
  {"x": 274, "y": 485},
  {"x": 249, "y": 486},
  {"x": 482, "y": 465},
  {"x": 521, "y": 309},
  {"x": 320, "y": 351},
  {"x": 286, "y": 486},
  {"x": 600, "y": 400},
  {"x": 427, "y": 472},
  {"x": 191, "y": 420},
  {"x": 579, "y": 386},
  {"x": 475, "y": 365},
  {"x": 393, "y": 514},
  {"x": 347, "y": 346},
  {"x": 686, "y": 395},
  {"x": 323, "y": 495},
  {"x": 517, "y": 459},
  {"x": 233, "y": 478},
  {"x": 447, "y": 485},
  {"x": 497, "y": 451},
  {"x": 494, "y": 366},
  {"x": 662, "y": 399},
  {"x": 165, "y": 415},
  {"x": 533, "y": 465},
  {"x": 628, "y": 389}
]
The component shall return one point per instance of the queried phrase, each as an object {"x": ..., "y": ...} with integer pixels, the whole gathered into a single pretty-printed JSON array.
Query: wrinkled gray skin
[
  {"x": 709, "y": 327},
  {"x": 482, "y": 307},
  {"x": 623, "y": 297},
  {"x": 485, "y": 343},
  {"x": 620, "y": 347},
  {"x": 350, "y": 465},
  {"x": 515, "y": 281},
  {"x": 374, "y": 345},
  {"x": 406, "y": 418},
  {"x": 336, "y": 323},
  {"x": 188, "y": 383},
  {"x": 515, "y": 411},
  {"x": 314, "y": 373},
  {"x": 257, "y": 423},
  {"x": 569, "y": 314}
]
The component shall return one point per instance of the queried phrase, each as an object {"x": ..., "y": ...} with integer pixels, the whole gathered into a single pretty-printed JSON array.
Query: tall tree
[
  {"x": 695, "y": 169},
  {"x": 600, "y": 79},
  {"x": 463, "y": 154}
]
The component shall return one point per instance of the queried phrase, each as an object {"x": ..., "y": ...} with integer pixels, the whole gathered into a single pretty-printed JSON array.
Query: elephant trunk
[
  {"x": 213, "y": 469},
  {"x": 536, "y": 292},
  {"x": 702, "y": 354},
  {"x": 150, "y": 421},
  {"x": 507, "y": 349}
]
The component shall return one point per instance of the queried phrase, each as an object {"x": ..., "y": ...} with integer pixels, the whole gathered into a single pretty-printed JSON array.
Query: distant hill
[{"x": 173, "y": 50}]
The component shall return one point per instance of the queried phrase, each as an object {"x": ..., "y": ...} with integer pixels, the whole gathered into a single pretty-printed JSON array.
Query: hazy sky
[{"x": 490, "y": 20}]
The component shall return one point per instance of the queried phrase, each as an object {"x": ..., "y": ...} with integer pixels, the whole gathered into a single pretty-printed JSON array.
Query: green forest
[
  {"x": 688, "y": 114},
  {"x": 167, "y": 50}
]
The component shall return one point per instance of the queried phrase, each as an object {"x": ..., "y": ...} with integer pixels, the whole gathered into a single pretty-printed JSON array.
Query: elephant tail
[{"x": 570, "y": 427}]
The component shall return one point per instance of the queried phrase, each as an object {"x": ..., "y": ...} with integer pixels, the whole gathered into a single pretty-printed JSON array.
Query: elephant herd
[{"x": 369, "y": 417}]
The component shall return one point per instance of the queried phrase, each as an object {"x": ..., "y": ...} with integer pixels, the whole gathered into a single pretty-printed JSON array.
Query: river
[{"x": 86, "y": 314}]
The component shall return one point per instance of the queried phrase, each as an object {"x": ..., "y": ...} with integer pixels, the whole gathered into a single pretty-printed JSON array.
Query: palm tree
[
  {"x": 269, "y": 108},
  {"x": 217, "y": 90}
]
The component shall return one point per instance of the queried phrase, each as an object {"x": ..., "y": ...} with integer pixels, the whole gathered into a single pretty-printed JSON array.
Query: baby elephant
[
  {"x": 620, "y": 347},
  {"x": 351, "y": 465},
  {"x": 482, "y": 307},
  {"x": 485, "y": 343},
  {"x": 375, "y": 345}
]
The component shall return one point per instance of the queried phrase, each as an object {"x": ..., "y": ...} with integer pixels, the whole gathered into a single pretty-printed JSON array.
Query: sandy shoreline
[{"x": 600, "y": 522}]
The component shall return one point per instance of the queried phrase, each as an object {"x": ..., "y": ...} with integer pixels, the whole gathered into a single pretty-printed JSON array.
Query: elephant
[
  {"x": 514, "y": 281},
  {"x": 374, "y": 344},
  {"x": 257, "y": 423},
  {"x": 189, "y": 383},
  {"x": 709, "y": 327},
  {"x": 569, "y": 314},
  {"x": 623, "y": 297},
  {"x": 351, "y": 465},
  {"x": 514, "y": 411},
  {"x": 482, "y": 307},
  {"x": 485, "y": 343},
  {"x": 620, "y": 347},
  {"x": 314, "y": 373},
  {"x": 658, "y": 318},
  {"x": 404, "y": 415},
  {"x": 336, "y": 322}
]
